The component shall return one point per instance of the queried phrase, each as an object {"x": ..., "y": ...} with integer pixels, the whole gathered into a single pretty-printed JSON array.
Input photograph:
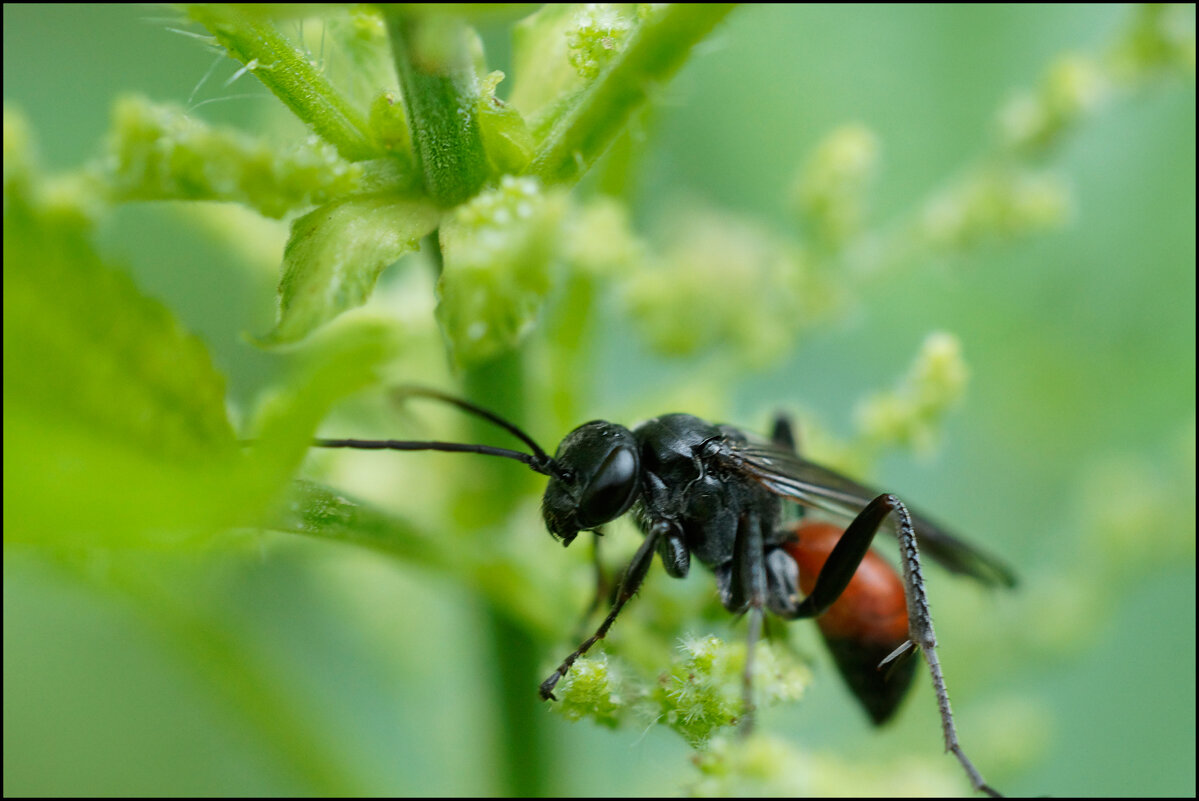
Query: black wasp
[{"x": 714, "y": 493}]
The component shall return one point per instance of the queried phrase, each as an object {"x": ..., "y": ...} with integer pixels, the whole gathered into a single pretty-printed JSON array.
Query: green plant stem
[
  {"x": 524, "y": 748},
  {"x": 498, "y": 385},
  {"x": 653, "y": 54},
  {"x": 513, "y": 646},
  {"x": 290, "y": 75},
  {"x": 441, "y": 98}
]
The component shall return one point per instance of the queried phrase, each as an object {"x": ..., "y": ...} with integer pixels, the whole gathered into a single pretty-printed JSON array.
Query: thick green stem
[
  {"x": 498, "y": 484},
  {"x": 654, "y": 53},
  {"x": 513, "y": 649},
  {"x": 441, "y": 97},
  {"x": 524, "y": 750},
  {"x": 290, "y": 75}
]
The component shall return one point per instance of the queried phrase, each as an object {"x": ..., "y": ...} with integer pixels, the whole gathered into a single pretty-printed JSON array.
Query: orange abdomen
[{"x": 864, "y": 625}]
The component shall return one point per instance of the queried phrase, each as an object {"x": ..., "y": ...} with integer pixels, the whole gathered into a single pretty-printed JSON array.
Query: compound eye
[{"x": 611, "y": 491}]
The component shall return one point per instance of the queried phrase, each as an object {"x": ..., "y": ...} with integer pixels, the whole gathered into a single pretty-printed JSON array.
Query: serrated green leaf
[
  {"x": 335, "y": 255},
  {"x": 107, "y": 400}
]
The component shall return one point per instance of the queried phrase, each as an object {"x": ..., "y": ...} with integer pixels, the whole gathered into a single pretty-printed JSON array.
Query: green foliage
[
  {"x": 160, "y": 152},
  {"x": 100, "y": 380},
  {"x": 698, "y": 694},
  {"x": 465, "y": 140},
  {"x": 756, "y": 290},
  {"x": 498, "y": 250},
  {"x": 250, "y": 36},
  {"x": 336, "y": 253},
  {"x": 583, "y": 128}
]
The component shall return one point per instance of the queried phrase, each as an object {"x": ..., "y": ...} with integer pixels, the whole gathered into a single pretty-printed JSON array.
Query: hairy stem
[
  {"x": 290, "y": 75},
  {"x": 441, "y": 98}
]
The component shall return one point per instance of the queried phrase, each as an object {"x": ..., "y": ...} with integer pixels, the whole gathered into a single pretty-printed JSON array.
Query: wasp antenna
[
  {"x": 455, "y": 447},
  {"x": 422, "y": 392}
]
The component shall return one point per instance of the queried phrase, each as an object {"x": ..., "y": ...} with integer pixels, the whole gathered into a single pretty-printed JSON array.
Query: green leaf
[
  {"x": 335, "y": 255},
  {"x": 340, "y": 360},
  {"x": 107, "y": 401},
  {"x": 506, "y": 138}
]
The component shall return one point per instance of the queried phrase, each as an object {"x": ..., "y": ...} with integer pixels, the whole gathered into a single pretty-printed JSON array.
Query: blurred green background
[{"x": 1072, "y": 454}]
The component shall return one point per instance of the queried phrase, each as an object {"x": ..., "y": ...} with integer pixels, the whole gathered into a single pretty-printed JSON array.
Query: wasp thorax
[{"x": 597, "y": 477}]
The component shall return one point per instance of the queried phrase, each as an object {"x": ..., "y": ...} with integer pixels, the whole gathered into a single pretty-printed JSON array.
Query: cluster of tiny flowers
[{"x": 598, "y": 32}]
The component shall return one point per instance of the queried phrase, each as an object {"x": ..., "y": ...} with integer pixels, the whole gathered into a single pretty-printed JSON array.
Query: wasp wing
[{"x": 791, "y": 476}]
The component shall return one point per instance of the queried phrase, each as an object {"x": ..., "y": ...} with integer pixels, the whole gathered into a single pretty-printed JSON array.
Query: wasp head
[{"x": 595, "y": 479}]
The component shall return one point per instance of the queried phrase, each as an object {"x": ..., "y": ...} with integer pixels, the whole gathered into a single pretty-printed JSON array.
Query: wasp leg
[
  {"x": 605, "y": 589},
  {"x": 748, "y": 592},
  {"x": 840, "y": 567},
  {"x": 783, "y": 432},
  {"x": 634, "y": 574}
]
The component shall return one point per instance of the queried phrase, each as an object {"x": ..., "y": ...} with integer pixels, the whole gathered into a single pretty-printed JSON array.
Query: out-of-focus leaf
[
  {"x": 340, "y": 360},
  {"x": 497, "y": 251},
  {"x": 355, "y": 51},
  {"x": 107, "y": 401},
  {"x": 336, "y": 253},
  {"x": 322, "y": 512},
  {"x": 110, "y": 403}
]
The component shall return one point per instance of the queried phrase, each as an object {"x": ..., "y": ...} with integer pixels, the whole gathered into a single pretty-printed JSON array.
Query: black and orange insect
[{"x": 713, "y": 492}]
